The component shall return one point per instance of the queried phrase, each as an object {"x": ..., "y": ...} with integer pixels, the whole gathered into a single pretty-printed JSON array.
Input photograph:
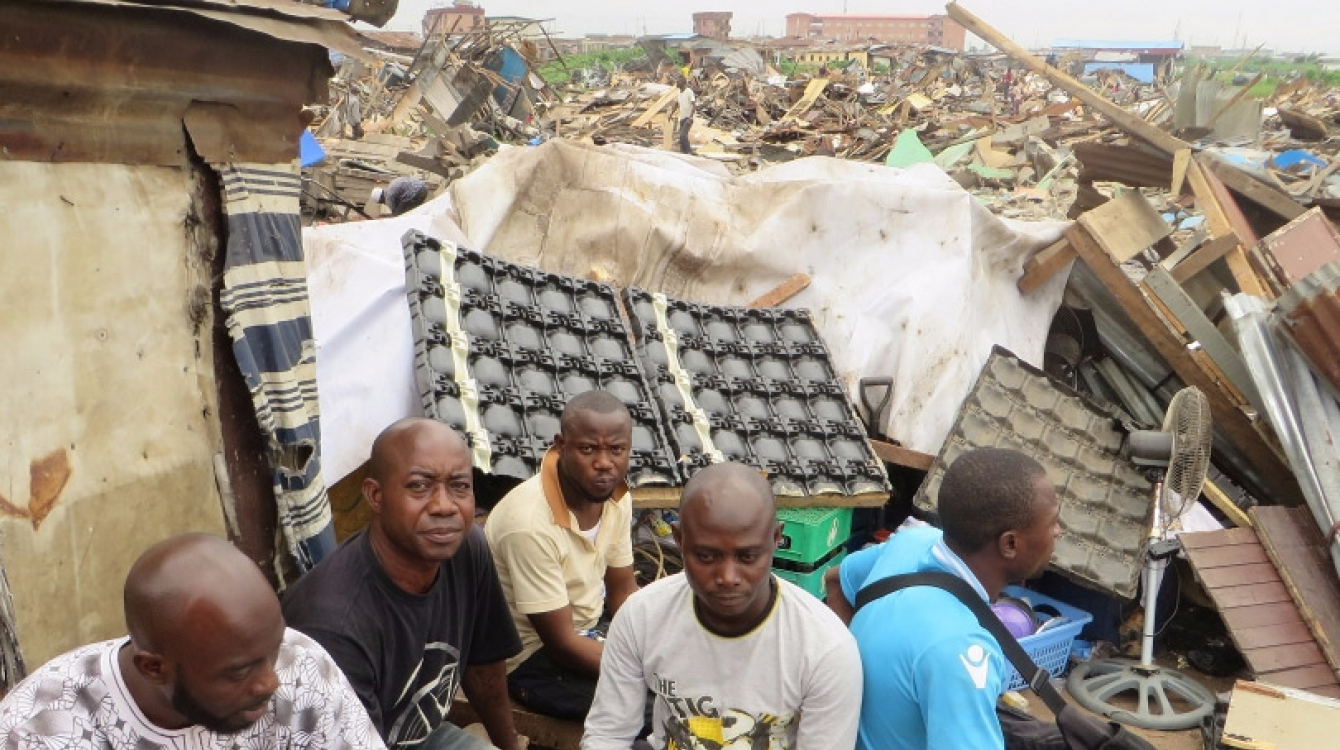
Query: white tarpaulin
[{"x": 912, "y": 278}]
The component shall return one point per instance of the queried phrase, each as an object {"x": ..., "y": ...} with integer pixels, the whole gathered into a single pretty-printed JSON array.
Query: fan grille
[{"x": 1188, "y": 419}]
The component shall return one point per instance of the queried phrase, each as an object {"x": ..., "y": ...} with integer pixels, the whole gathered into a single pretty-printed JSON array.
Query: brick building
[
  {"x": 460, "y": 17},
  {"x": 938, "y": 30},
  {"x": 712, "y": 24}
]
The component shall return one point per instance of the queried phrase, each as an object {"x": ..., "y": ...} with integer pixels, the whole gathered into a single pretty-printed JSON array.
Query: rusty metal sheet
[
  {"x": 1302, "y": 246},
  {"x": 1130, "y": 164},
  {"x": 118, "y": 83},
  {"x": 1311, "y": 312}
]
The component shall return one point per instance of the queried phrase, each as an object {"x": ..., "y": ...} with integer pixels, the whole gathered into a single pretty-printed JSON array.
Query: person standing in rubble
[{"x": 685, "y": 105}]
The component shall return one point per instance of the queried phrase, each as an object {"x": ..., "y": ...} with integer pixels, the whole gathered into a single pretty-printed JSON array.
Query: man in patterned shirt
[{"x": 208, "y": 665}]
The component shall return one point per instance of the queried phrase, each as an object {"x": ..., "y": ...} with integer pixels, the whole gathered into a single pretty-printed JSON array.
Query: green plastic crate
[
  {"x": 812, "y": 580},
  {"x": 810, "y": 533}
]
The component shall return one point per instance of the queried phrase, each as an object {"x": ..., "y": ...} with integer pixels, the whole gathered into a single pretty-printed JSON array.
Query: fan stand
[{"x": 1096, "y": 684}]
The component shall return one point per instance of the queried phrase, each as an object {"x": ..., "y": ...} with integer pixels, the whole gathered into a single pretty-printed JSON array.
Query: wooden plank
[
  {"x": 1255, "y": 593},
  {"x": 1212, "y": 342},
  {"x": 1303, "y": 678},
  {"x": 783, "y": 291},
  {"x": 1202, "y": 539},
  {"x": 1220, "y": 225},
  {"x": 1296, "y": 546},
  {"x": 1180, "y": 161},
  {"x": 1238, "y": 575},
  {"x": 1220, "y": 500},
  {"x": 1231, "y": 556},
  {"x": 1276, "y": 658},
  {"x": 1044, "y": 265},
  {"x": 1233, "y": 423},
  {"x": 1266, "y": 196},
  {"x": 1203, "y": 256},
  {"x": 1281, "y": 718},
  {"x": 1280, "y": 613},
  {"x": 897, "y": 454},
  {"x": 1125, "y": 225},
  {"x": 1328, "y": 691},
  {"x": 813, "y": 89},
  {"x": 1266, "y": 636},
  {"x": 657, "y": 106},
  {"x": 1123, "y": 119}
]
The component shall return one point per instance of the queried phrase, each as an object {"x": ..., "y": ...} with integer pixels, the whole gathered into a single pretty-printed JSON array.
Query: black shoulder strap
[{"x": 1037, "y": 678}]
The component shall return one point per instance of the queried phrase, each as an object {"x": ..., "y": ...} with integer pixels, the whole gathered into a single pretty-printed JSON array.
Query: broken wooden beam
[
  {"x": 1044, "y": 265},
  {"x": 1127, "y": 224},
  {"x": 783, "y": 291},
  {"x": 1220, "y": 225},
  {"x": 900, "y": 456},
  {"x": 1201, "y": 258},
  {"x": 1124, "y": 120},
  {"x": 1266, "y": 196},
  {"x": 1235, "y": 425}
]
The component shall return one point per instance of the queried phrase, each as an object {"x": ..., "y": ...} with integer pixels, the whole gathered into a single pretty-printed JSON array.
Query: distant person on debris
[
  {"x": 562, "y": 544},
  {"x": 208, "y": 664},
  {"x": 932, "y": 672},
  {"x": 735, "y": 657},
  {"x": 685, "y": 106},
  {"x": 403, "y": 194},
  {"x": 411, "y": 607}
]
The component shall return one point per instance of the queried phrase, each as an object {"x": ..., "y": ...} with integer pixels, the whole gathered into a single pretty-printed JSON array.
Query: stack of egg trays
[
  {"x": 757, "y": 386},
  {"x": 499, "y": 348}
]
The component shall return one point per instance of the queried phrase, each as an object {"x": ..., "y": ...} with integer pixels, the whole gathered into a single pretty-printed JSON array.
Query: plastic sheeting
[{"x": 912, "y": 277}]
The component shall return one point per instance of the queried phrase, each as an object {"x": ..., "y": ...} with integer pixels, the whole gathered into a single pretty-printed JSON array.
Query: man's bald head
[
  {"x": 392, "y": 439},
  {"x": 731, "y": 492},
  {"x": 591, "y": 402},
  {"x": 727, "y": 532},
  {"x": 205, "y": 634},
  {"x": 186, "y": 578}
]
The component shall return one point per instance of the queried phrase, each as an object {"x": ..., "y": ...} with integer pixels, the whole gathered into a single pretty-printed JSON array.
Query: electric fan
[{"x": 1175, "y": 459}]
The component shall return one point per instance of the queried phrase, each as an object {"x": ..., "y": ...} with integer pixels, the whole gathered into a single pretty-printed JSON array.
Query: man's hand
[
  {"x": 836, "y": 600},
  {"x": 485, "y": 686},
  {"x": 620, "y": 583},
  {"x": 564, "y": 645}
]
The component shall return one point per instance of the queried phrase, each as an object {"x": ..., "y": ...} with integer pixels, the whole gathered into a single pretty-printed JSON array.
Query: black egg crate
[
  {"x": 499, "y": 348},
  {"x": 756, "y": 386}
]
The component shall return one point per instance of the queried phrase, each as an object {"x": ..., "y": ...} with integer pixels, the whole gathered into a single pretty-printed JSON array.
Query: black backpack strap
[{"x": 1037, "y": 678}]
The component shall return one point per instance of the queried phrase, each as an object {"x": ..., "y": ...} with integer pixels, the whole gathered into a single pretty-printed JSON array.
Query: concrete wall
[{"x": 108, "y": 403}]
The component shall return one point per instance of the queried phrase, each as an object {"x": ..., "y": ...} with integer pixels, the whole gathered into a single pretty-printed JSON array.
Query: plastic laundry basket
[{"x": 1050, "y": 648}]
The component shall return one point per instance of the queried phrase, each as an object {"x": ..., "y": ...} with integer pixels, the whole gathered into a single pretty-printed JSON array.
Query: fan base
[{"x": 1162, "y": 698}]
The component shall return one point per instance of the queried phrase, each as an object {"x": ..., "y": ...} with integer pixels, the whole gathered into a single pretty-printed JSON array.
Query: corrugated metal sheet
[
  {"x": 1131, "y": 164},
  {"x": 1303, "y": 414},
  {"x": 1310, "y": 311},
  {"x": 103, "y": 81}
]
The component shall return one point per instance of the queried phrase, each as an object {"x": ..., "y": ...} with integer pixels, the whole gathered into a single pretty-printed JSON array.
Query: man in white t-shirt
[
  {"x": 734, "y": 656},
  {"x": 208, "y": 665},
  {"x": 684, "y": 103}
]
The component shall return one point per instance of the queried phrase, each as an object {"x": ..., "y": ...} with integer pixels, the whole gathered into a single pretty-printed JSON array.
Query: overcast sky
[{"x": 1292, "y": 25}]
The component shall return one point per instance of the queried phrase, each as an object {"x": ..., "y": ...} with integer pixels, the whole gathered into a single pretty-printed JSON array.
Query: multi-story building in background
[
  {"x": 712, "y": 24},
  {"x": 938, "y": 30},
  {"x": 461, "y": 17}
]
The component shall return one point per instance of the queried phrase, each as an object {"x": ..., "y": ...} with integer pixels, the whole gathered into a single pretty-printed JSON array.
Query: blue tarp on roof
[
  {"x": 1142, "y": 72},
  {"x": 1110, "y": 45}
]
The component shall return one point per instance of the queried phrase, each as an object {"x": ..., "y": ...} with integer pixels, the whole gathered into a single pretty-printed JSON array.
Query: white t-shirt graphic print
[{"x": 792, "y": 683}]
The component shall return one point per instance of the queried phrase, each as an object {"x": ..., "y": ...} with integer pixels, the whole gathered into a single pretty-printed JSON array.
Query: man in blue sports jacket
[{"x": 932, "y": 673}]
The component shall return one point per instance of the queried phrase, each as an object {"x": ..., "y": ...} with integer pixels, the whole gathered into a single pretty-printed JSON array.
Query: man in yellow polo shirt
[{"x": 562, "y": 545}]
